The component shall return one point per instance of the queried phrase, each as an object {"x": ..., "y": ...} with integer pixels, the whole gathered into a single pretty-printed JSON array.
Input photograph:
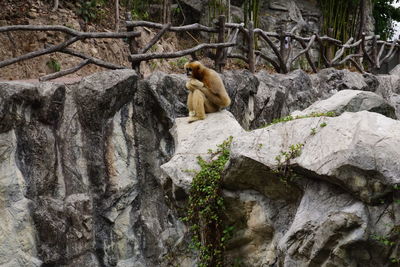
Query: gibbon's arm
[
  {"x": 217, "y": 99},
  {"x": 194, "y": 84}
]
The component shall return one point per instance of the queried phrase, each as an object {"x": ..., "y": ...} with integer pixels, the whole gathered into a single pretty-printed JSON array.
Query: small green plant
[
  {"x": 322, "y": 125},
  {"x": 205, "y": 208},
  {"x": 311, "y": 115},
  {"x": 313, "y": 131},
  {"x": 91, "y": 10},
  {"x": 154, "y": 48},
  {"x": 137, "y": 15},
  {"x": 383, "y": 240},
  {"x": 54, "y": 65},
  {"x": 153, "y": 65},
  {"x": 182, "y": 61},
  {"x": 283, "y": 160},
  {"x": 179, "y": 63}
]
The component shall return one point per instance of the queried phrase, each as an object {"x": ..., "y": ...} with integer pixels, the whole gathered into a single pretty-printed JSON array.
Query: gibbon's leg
[
  {"x": 198, "y": 106},
  {"x": 209, "y": 106},
  {"x": 192, "y": 113},
  {"x": 221, "y": 101}
]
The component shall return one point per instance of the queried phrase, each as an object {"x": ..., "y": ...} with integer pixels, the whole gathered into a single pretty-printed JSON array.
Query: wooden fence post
[
  {"x": 375, "y": 53},
  {"x": 330, "y": 48},
  {"x": 220, "y": 55},
  {"x": 251, "y": 58},
  {"x": 133, "y": 44}
]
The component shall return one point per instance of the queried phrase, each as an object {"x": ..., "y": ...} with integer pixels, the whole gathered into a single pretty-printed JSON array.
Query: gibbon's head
[{"x": 194, "y": 69}]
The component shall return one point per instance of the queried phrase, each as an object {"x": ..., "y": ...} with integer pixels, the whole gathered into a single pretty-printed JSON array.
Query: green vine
[
  {"x": 311, "y": 115},
  {"x": 205, "y": 208},
  {"x": 283, "y": 169}
]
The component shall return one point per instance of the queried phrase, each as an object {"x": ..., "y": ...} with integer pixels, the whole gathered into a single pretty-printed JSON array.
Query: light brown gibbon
[{"x": 207, "y": 92}]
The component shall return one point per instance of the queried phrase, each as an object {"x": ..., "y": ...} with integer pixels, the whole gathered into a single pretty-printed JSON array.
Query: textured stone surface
[
  {"x": 360, "y": 156},
  {"x": 81, "y": 183},
  {"x": 351, "y": 101},
  {"x": 211, "y": 131},
  {"x": 331, "y": 213}
]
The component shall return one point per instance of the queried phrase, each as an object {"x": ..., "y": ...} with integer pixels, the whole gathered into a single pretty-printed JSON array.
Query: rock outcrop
[
  {"x": 324, "y": 213},
  {"x": 351, "y": 101},
  {"x": 81, "y": 182}
]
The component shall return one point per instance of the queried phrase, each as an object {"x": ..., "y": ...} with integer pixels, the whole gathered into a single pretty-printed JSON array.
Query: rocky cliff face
[{"x": 81, "y": 181}]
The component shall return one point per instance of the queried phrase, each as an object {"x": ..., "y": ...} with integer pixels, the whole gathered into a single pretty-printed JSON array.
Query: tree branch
[
  {"x": 270, "y": 60},
  {"x": 64, "y": 72},
  {"x": 305, "y": 50},
  {"x": 265, "y": 37},
  {"x": 93, "y": 60},
  {"x": 38, "y": 53},
  {"x": 145, "y": 57},
  {"x": 81, "y": 35},
  {"x": 155, "y": 38},
  {"x": 190, "y": 27}
]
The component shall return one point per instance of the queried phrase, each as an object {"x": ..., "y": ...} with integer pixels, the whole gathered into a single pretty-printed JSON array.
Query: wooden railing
[{"x": 234, "y": 40}]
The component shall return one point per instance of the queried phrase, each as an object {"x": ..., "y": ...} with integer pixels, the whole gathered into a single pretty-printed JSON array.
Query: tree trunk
[
  {"x": 116, "y": 15},
  {"x": 166, "y": 11},
  {"x": 55, "y": 7},
  {"x": 362, "y": 19}
]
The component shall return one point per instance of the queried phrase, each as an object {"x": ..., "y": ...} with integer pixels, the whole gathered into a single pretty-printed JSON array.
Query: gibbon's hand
[{"x": 194, "y": 84}]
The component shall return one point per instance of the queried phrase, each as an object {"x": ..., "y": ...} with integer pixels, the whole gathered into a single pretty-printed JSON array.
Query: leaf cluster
[
  {"x": 283, "y": 160},
  {"x": 384, "y": 14},
  {"x": 205, "y": 208},
  {"x": 311, "y": 115}
]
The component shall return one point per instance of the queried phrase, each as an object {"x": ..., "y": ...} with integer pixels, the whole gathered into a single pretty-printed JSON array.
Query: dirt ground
[{"x": 38, "y": 12}]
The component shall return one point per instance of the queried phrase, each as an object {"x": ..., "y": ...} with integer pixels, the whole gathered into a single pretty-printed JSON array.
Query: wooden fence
[{"x": 234, "y": 40}]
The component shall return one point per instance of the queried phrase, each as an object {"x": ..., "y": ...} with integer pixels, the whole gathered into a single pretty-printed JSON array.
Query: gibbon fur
[{"x": 207, "y": 91}]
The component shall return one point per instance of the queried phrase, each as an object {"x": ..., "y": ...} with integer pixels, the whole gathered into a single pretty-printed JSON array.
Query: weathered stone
[
  {"x": 359, "y": 156},
  {"x": 184, "y": 162},
  {"x": 18, "y": 245},
  {"x": 80, "y": 172},
  {"x": 312, "y": 220},
  {"x": 241, "y": 87},
  {"x": 351, "y": 101}
]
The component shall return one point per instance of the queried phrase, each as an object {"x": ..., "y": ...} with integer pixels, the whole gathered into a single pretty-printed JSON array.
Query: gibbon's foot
[
  {"x": 192, "y": 119},
  {"x": 192, "y": 113}
]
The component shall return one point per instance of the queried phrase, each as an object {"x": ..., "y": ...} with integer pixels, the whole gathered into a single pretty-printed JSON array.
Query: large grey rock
[
  {"x": 360, "y": 156},
  {"x": 80, "y": 165},
  {"x": 332, "y": 80},
  {"x": 324, "y": 217},
  {"x": 242, "y": 87},
  {"x": 18, "y": 246},
  {"x": 81, "y": 183},
  {"x": 351, "y": 101},
  {"x": 216, "y": 128}
]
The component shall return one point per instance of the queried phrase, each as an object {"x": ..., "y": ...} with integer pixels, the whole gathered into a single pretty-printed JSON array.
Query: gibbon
[{"x": 207, "y": 91}]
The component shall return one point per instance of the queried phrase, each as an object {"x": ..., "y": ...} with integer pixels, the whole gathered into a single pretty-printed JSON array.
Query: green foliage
[
  {"x": 313, "y": 131},
  {"x": 54, "y": 65},
  {"x": 342, "y": 16},
  {"x": 153, "y": 65},
  {"x": 215, "y": 9},
  {"x": 251, "y": 10},
  {"x": 91, "y": 11},
  {"x": 311, "y": 115},
  {"x": 384, "y": 14},
  {"x": 283, "y": 168},
  {"x": 179, "y": 63},
  {"x": 322, "y": 125},
  {"x": 390, "y": 241},
  {"x": 140, "y": 9},
  {"x": 383, "y": 240},
  {"x": 206, "y": 206}
]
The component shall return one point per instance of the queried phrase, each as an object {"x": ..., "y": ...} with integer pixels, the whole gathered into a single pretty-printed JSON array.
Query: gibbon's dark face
[
  {"x": 189, "y": 72},
  {"x": 192, "y": 68}
]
